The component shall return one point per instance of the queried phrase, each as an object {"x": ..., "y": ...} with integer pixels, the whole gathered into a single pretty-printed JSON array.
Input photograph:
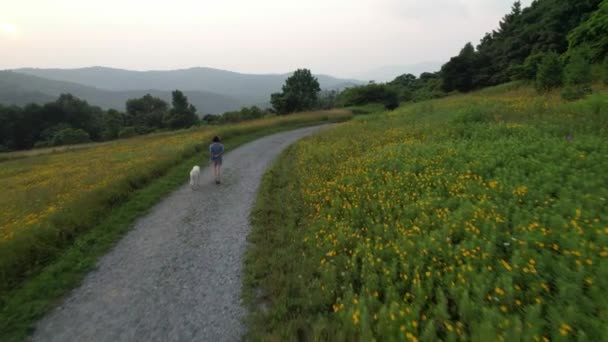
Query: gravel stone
[{"x": 177, "y": 275}]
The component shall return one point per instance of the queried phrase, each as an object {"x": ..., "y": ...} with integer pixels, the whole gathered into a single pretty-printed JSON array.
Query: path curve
[{"x": 176, "y": 276}]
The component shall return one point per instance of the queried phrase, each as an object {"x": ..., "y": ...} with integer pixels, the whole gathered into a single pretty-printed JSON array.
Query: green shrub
[
  {"x": 370, "y": 93},
  {"x": 527, "y": 70},
  {"x": 42, "y": 144},
  {"x": 577, "y": 76},
  {"x": 605, "y": 71},
  {"x": 549, "y": 75},
  {"x": 127, "y": 132},
  {"x": 472, "y": 115},
  {"x": 3, "y": 149},
  {"x": 573, "y": 93},
  {"x": 69, "y": 136},
  {"x": 391, "y": 102}
]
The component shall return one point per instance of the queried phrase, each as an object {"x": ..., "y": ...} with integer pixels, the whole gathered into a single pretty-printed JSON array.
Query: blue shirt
[{"x": 216, "y": 150}]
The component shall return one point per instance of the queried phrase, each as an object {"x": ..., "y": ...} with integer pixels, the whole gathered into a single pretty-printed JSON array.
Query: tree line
[
  {"x": 528, "y": 41},
  {"x": 550, "y": 44},
  {"x": 70, "y": 120}
]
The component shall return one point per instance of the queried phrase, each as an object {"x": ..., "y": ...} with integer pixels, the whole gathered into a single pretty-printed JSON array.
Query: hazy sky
[{"x": 339, "y": 37}]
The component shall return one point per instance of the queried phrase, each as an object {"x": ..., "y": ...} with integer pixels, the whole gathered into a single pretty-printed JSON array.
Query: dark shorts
[{"x": 217, "y": 161}]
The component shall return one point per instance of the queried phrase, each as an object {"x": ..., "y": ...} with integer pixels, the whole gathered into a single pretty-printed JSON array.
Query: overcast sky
[{"x": 338, "y": 37}]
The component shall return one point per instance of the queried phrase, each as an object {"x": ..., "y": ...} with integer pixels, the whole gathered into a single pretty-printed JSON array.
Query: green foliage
[
  {"x": 502, "y": 55},
  {"x": 182, "y": 115},
  {"x": 370, "y": 93},
  {"x": 246, "y": 113},
  {"x": 409, "y": 88},
  {"x": 457, "y": 74},
  {"x": 127, "y": 132},
  {"x": 577, "y": 76},
  {"x": 68, "y": 136},
  {"x": 38, "y": 125},
  {"x": 113, "y": 121},
  {"x": 549, "y": 74},
  {"x": 391, "y": 102},
  {"x": 146, "y": 113},
  {"x": 299, "y": 93},
  {"x": 573, "y": 93},
  {"x": 605, "y": 71},
  {"x": 211, "y": 119},
  {"x": 592, "y": 33},
  {"x": 25, "y": 127},
  {"x": 529, "y": 69}
]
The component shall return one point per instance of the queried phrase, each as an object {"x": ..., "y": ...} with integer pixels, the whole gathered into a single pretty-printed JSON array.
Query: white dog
[{"x": 195, "y": 176}]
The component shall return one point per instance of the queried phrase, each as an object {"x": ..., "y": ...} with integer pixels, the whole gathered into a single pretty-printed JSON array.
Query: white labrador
[{"x": 195, "y": 176}]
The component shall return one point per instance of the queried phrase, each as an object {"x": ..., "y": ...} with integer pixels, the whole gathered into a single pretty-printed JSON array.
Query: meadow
[
  {"x": 49, "y": 199},
  {"x": 475, "y": 217}
]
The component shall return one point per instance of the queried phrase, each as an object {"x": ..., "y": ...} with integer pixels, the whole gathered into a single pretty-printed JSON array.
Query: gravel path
[{"x": 177, "y": 275}]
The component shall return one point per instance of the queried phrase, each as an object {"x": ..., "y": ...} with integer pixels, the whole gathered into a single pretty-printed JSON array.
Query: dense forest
[{"x": 550, "y": 43}]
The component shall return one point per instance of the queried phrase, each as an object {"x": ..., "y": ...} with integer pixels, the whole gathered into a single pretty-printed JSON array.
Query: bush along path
[{"x": 177, "y": 274}]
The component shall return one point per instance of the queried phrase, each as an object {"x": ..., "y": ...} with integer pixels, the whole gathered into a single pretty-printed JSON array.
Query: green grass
[
  {"x": 475, "y": 217},
  {"x": 367, "y": 109},
  {"x": 270, "y": 257},
  {"x": 21, "y": 307}
]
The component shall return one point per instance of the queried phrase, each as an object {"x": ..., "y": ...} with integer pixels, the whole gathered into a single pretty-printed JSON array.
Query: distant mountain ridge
[
  {"x": 21, "y": 89},
  {"x": 246, "y": 89}
]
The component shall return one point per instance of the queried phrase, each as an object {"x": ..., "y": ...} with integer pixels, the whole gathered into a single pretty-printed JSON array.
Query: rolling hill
[
  {"x": 20, "y": 89},
  {"x": 246, "y": 89}
]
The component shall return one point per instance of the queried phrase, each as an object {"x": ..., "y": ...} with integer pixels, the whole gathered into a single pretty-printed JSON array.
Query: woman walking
[{"x": 216, "y": 150}]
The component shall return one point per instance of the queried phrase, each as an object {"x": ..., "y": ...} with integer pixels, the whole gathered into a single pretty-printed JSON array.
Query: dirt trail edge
[{"x": 176, "y": 276}]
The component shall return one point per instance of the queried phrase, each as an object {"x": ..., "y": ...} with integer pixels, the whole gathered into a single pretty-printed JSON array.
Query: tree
[
  {"x": 146, "y": 113},
  {"x": 592, "y": 33},
  {"x": 182, "y": 115},
  {"x": 577, "y": 75},
  {"x": 405, "y": 81},
  {"x": 211, "y": 118},
  {"x": 298, "y": 94},
  {"x": 391, "y": 101},
  {"x": 70, "y": 135},
  {"x": 76, "y": 113},
  {"x": 458, "y": 73},
  {"x": 529, "y": 69},
  {"x": 27, "y": 124},
  {"x": 540, "y": 28},
  {"x": 9, "y": 118},
  {"x": 370, "y": 93},
  {"x": 113, "y": 121},
  {"x": 549, "y": 74}
]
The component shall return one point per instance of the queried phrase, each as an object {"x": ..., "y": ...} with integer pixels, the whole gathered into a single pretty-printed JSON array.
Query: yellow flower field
[{"x": 476, "y": 217}]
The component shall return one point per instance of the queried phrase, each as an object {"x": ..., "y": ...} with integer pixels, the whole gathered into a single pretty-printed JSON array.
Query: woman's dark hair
[{"x": 216, "y": 139}]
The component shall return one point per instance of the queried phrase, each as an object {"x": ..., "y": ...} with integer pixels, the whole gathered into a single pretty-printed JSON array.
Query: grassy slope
[
  {"x": 555, "y": 295},
  {"x": 21, "y": 307}
]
